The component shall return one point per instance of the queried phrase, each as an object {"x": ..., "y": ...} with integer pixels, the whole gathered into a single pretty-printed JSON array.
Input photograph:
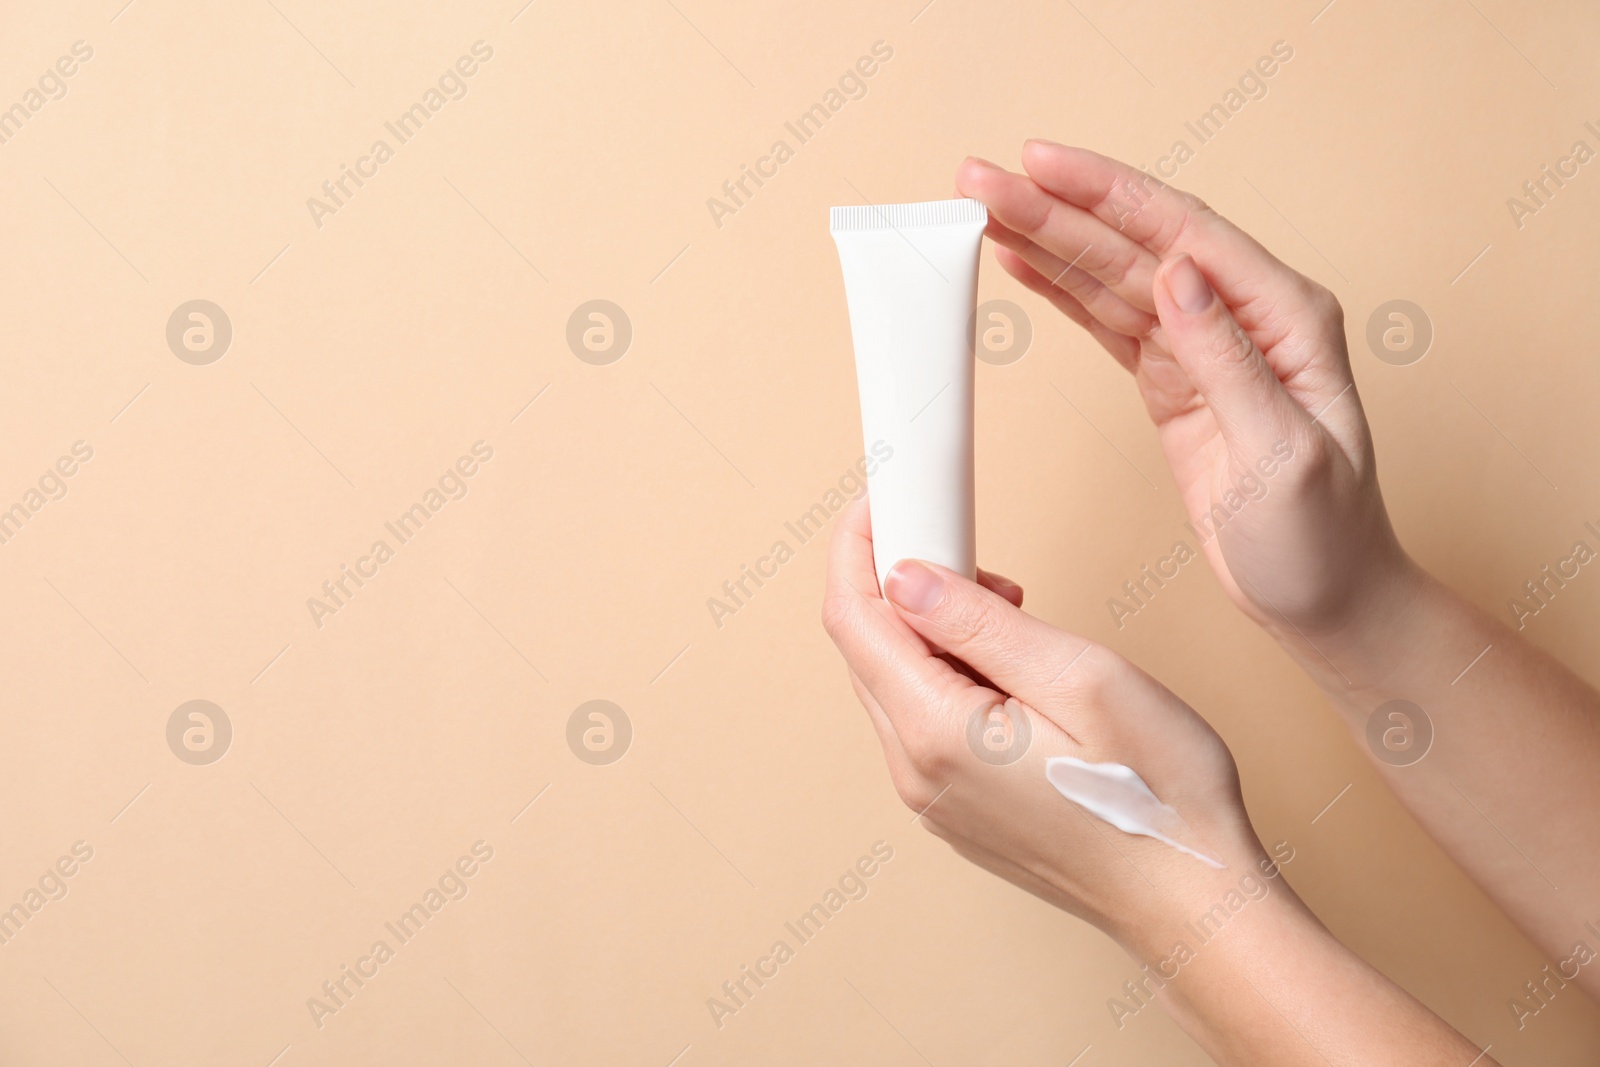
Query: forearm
[
  {"x": 1511, "y": 782},
  {"x": 1275, "y": 987}
]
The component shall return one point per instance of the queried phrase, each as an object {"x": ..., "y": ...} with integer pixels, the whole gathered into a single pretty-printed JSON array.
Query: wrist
[
  {"x": 1200, "y": 963},
  {"x": 1216, "y": 906},
  {"x": 1273, "y": 985},
  {"x": 1365, "y": 640}
]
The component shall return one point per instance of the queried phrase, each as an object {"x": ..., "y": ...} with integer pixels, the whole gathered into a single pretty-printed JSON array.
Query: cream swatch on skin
[{"x": 1117, "y": 795}]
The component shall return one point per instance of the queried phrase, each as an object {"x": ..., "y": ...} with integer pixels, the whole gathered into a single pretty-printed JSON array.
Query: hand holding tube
[{"x": 942, "y": 655}]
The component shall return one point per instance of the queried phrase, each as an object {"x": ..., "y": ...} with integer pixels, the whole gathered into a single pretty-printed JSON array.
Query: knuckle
[
  {"x": 1114, "y": 267},
  {"x": 1077, "y": 280},
  {"x": 1200, "y": 216},
  {"x": 1325, "y": 306},
  {"x": 1195, "y": 215},
  {"x": 1232, "y": 345},
  {"x": 1321, "y": 463},
  {"x": 837, "y": 612},
  {"x": 1333, "y": 314},
  {"x": 1087, "y": 682},
  {"x": 1314, "y": 468},
  {"x": 931, "y": 753},
  {"x": 913, "y": 792},
  {"x": 969, "y": 619},
  {"x": 1033, "y": 214}
]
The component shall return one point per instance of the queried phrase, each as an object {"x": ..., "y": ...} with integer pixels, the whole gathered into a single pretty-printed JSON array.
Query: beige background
[{"x": 424, "y": 316}]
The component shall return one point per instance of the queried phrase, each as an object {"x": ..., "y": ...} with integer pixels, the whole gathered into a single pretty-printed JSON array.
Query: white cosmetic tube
[{"x": 911, "y": 282}]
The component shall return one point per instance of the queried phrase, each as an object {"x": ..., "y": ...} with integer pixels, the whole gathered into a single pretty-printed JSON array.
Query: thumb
[
  {"x": 1240, "y": 387},
  {"x": 1017, "y": 652}
]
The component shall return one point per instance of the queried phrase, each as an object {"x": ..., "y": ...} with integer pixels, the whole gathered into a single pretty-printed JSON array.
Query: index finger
[
  {"x": 852, "y": 593},
  {"x": 1166, "y": 220},
  {"x": 915, "y": 688},
  {"x": 1134, "y": 202},
  {"x": 1264, "y": 293}
]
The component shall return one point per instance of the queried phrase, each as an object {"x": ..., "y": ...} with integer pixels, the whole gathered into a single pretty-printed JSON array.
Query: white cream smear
[{"x": 1116, "y": 794}]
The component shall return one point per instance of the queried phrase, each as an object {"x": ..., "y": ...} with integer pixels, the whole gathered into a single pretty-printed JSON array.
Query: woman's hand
[
  {"x": 1242, "y": 365},
  {"x": 1232, "y": 954},
  {"x": 970, "y": 696},
  {"x": 1237, "y": 356}
]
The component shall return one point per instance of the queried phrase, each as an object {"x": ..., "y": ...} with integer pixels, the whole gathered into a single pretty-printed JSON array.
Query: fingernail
[
  {"x": 1043, "y": 141},
  {"x": 912, "y": 586},
  {"x": 980, "y": 161},
  {"x": 1188, "y": 286}
]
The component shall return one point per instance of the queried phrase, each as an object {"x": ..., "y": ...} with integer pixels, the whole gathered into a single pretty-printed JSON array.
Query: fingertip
[
  {"x": 860, "y": 508},
  {"x": 970, "y": 175},
  {"x": 1004, "y": 588},
  {"x": 856, "y": 518},
  {"x": 1186, "y": 284},
  {"x": 1043, "y": 150},
  {"x": 1012, "y": 263},
  {"x": 1164, "y": 267},
  {"x": 999, "y": 583},
  {"x": 912, "y": 586},
  {"x": 1161, "y": 288}
]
